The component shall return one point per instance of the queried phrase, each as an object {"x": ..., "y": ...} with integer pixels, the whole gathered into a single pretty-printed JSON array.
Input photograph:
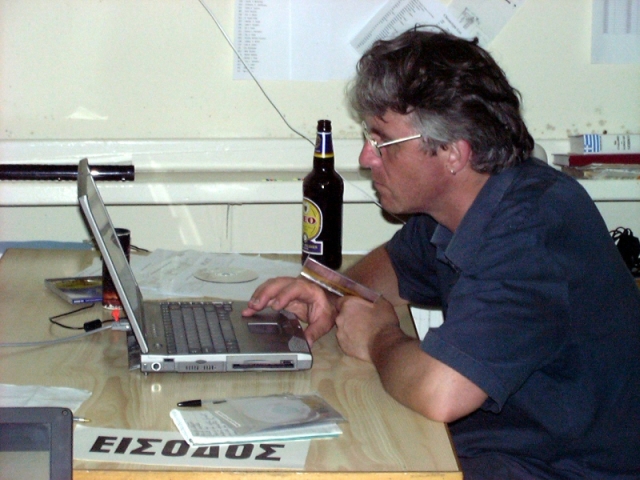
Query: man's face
[{"x": 407, "y": 178}]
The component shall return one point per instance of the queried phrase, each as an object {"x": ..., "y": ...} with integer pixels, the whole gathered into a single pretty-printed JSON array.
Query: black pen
[{"x": 197, "y": 403}]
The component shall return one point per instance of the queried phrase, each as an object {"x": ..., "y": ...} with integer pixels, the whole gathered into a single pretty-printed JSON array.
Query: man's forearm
[
  {"x": 400, "y": 364},
  {"x": 419, "y": 381},
  {"x": 376, "y": 272}
]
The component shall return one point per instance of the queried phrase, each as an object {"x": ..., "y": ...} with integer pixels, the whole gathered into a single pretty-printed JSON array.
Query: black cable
[
  {"x": 87, "y": 326},
  {"x": 629, "y": 248}
]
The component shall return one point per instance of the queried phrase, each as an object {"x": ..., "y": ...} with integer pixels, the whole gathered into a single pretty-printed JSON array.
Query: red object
[{"x": 580, "y": 160}]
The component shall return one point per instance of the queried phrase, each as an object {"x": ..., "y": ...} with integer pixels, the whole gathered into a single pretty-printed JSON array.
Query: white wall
[
  {"x": 96, "y": 76},
  {"x": 156, "y": 69}
]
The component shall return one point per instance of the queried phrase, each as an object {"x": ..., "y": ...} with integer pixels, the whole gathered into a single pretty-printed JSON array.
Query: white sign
[{"x": 157, "y": 448}]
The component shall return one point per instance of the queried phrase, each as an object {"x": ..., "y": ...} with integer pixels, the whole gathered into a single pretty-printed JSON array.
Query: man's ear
[{"x": 459, "y": 155}]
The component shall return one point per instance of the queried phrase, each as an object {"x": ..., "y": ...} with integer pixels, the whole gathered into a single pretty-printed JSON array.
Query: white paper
[
  {"x": 160, "y": 448},
  {"x": 210, "y": 431},
  {"x": 464, "y": 18},
  {"x": 41, "y": 396},
  {"x": 299, "y": 40},
  {"x": 482, "y": 18},
  {"x": 267, "y": 418},
  {"x": 172, "y": 274},
  {"x": 615, "y": 32},
  {"x": 309, "y": 40},
  {"x": 396, "y": 17}
]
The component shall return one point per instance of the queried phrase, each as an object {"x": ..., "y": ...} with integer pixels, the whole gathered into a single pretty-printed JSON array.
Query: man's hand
[
  {"x": 360, "y": 322},
  {"x": 309, "y": 302}
]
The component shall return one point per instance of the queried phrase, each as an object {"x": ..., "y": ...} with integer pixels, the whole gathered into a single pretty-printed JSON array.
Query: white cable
[
  {"x": 226, "y": 37},
  {"x": 57, "y": 340}
]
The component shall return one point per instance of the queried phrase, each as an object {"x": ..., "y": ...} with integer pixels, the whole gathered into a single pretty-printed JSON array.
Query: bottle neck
[
  {"x": 323, "y": 163},
  {"x": 323, "y": 153}
]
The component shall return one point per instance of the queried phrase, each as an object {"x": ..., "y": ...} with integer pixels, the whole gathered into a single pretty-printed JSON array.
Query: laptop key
[
  {"x": 193, "y": 341},
  {"x": 168, "y": 330},
  {"x": 179, "y": 331},
  {"x": 229, "y": 335},
  {"x": 223, "y": 309},
  {"x": 202, "y": 327},
  {"x": 214, "y": 327}
]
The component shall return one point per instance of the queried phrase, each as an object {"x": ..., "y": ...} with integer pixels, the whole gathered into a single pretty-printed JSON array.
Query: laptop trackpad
[{"x": 264, "y": 327}]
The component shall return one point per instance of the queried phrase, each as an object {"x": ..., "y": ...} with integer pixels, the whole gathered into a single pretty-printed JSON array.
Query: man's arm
[
  {"x": 421, "y": 382},
  {"x": 312, "y": 304},
  {"x": 376, "y": 272},
  {"x": 371, "y": 332}
]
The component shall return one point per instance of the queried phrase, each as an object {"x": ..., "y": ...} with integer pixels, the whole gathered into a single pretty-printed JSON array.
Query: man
[{"x": 537, "y": 365}]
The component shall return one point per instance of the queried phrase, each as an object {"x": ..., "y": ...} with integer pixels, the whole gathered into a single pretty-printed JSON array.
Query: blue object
[
  {"x": 542, "y": 314},
  {"x": 48, "y": 244}
]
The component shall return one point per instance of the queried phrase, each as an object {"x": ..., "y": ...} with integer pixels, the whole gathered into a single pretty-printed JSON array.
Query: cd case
[
  {"x": 257, "y": 419},
  {"x": 335, "y": 282},
  {"x": 76, "y": 289}
]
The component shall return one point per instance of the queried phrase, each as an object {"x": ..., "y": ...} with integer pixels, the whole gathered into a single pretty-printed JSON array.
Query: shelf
[{"x": 165, "y": 188}]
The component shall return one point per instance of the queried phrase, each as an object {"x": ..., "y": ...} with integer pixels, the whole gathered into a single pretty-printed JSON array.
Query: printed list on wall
[
  {"x": 615, "y": 32},
  {"x": 320, "y": 40}
]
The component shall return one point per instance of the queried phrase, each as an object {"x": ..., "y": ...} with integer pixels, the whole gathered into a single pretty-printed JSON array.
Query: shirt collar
[{"x": 460, "y": 248}]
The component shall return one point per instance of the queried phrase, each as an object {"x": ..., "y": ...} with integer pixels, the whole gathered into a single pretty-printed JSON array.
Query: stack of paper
[
  {"x": 175, "y": 274},
  {"x": 257, "y": 419}
]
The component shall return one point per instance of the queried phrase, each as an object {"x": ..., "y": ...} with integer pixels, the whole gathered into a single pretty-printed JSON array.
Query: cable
[
  {"x": 87, "y": 326},
  {"x": 90, "y": 327},
  {"x": 57, "y": 340},
  {"x": 629, "y": 248},
  {"x": 134, "y": 248},
  {"x": 228, "y": 40},
  {"x": 373, "y": 199},
  {"x": 55, "y": 317},
  {"x": 84, "y": 307},
  {"x": 226, "y": 37}
]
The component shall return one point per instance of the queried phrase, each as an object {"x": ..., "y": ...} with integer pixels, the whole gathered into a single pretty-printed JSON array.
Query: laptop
[
  {"x": 36, "y": 443},
  {"x": 268, "y": 341}
]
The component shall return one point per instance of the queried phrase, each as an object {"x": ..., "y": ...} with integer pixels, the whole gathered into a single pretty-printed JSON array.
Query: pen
[
  {"x": 81, "y": 420},
  {"x": 197, "y": 403}
]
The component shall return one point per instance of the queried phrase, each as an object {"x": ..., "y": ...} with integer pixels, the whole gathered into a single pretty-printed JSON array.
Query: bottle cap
[{"x": 324, "y": 125}]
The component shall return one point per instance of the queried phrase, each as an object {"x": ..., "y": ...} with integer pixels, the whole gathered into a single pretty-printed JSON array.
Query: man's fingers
[
  {"x": 264, "y": 294},
  {"x": 298, "y": 291}
]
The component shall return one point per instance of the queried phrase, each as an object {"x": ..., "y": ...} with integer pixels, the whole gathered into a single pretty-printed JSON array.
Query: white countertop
[
  {"x": 184, "y": 188},
  {"x": 239, "y": 171}
]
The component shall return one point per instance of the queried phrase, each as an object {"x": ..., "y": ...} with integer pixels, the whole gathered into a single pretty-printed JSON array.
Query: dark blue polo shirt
[{"x": 542, "y": 314}]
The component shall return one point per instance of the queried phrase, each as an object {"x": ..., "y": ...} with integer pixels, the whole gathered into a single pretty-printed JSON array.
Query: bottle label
[
  {"x": 324, "y": 147},
  {"x": 311, "y": 227}
]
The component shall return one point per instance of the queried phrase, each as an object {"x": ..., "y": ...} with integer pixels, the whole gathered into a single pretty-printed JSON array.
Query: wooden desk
[{"x": 382, "y": 439}]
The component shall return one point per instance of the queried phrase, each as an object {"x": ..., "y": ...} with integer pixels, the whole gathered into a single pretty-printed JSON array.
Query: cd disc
[
  {"x": 226, "y": 275},
  {"x": 280, "y": 411}
]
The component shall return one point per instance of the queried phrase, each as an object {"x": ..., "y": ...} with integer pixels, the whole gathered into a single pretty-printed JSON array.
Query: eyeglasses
[{"x": 377, "y": 146}]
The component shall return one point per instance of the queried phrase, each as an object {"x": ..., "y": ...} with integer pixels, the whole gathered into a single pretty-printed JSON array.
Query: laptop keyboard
[{"x": 199, "y": 327}]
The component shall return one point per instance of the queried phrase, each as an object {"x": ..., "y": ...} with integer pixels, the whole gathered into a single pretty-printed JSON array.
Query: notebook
[
  {"x": 267, "y": 341},
  {"x": 36, "y": 443}
]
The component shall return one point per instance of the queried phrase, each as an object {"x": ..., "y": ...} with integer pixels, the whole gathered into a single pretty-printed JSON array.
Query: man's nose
[{"x": 367, "y": 156}]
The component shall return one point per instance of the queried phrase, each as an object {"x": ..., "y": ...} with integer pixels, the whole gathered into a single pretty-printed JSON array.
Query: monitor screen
[{"x": 36, "y": 443}]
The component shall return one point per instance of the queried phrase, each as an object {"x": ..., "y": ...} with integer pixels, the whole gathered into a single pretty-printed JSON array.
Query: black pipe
[{"x": 65, "y": 172}]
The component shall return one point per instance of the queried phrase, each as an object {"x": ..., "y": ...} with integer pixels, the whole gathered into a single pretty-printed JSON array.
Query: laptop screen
[
  {"x": 112, "y": 254},
  {"x": 36, "y": 443}
]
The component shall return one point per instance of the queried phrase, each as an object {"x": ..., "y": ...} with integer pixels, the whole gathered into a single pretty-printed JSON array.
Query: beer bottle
[{"x": 322, "y": 191}]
